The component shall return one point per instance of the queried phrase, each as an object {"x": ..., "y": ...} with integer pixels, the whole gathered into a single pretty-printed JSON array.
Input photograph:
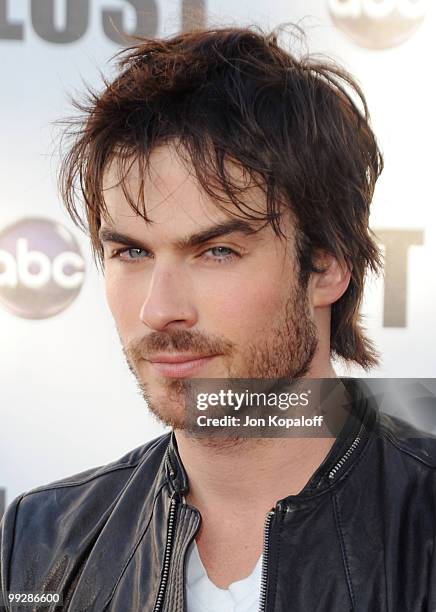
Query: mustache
[{"x": 178, "y": 340}]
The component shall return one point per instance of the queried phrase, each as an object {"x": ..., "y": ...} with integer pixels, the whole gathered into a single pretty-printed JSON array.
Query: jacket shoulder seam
[
  {"x": 85, "y": 480},
  {"x": 395, "y": 442}
]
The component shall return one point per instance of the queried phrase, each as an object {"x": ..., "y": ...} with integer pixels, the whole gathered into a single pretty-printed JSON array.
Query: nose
[{"x": 169, "y": 299}]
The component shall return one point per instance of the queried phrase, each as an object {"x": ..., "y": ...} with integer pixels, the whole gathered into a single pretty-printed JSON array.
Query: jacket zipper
[
  {"x": 264, "y": 574},
  {"x": 344, "y": 458},
  {"x": 167, "y": 555}
]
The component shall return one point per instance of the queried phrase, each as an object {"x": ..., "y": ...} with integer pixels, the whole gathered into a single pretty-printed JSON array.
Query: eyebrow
[{"x": 109, "y": 234}]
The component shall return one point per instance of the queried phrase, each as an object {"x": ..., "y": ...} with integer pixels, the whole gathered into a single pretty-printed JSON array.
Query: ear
[{"x": 328, "y": 286}]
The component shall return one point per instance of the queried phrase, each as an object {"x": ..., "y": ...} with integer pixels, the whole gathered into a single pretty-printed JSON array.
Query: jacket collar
[
  {"x": 363, "y": 416},
  {"x": 350, "y": 442}
]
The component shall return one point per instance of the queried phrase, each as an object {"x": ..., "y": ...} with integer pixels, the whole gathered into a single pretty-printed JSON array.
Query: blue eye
[
  {"x": 133, "y": 251},
  {"x": 224, "y": 257},
  {"x": 220, "y": 248},
  {"x": 116, "y": 254}
]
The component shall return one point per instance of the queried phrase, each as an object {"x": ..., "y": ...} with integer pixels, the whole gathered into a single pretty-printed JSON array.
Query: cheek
[
  {"x": 244, "y": 306},
  {"x": 122, "y": 301}
]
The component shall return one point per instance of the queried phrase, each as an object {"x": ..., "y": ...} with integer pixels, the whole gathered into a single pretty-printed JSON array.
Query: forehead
[{"x": 172, "y": 194}]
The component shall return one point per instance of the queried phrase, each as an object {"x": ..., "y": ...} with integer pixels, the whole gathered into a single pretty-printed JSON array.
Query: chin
[
  {"x": 169, "y": 411},
  {"x": 174, "y": 419}
]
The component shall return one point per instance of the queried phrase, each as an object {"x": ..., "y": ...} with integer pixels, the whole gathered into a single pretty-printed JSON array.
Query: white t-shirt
[{"x": 204, "y": 596}]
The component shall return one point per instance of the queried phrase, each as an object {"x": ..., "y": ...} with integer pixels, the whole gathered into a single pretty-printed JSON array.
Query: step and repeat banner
[{"x": 67, "y": 399}]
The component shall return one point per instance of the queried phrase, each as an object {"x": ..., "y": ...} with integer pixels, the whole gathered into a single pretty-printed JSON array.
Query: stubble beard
[{"x": 284, "y": 351}]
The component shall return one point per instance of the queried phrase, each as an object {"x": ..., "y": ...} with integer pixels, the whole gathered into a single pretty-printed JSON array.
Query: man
[{"x": 227, "y": 187}]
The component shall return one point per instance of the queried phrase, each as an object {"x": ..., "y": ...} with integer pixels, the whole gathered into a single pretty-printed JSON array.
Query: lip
[{"x": 179, "y": 366}]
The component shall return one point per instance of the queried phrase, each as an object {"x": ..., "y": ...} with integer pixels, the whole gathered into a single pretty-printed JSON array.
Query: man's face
[{"x": 232, "y": 299}]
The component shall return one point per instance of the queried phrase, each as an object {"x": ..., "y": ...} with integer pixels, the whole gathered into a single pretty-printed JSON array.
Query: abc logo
[
  {"x": 41, "y": 268},
  {"x": 378, "y": 24}
]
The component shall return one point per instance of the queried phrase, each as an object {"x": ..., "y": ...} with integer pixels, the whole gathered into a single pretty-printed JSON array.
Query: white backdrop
[{"x": 67, "y": 399}]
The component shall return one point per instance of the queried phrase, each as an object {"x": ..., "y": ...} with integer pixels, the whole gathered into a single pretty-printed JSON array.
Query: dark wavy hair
[{"x": 297, "y": 126}]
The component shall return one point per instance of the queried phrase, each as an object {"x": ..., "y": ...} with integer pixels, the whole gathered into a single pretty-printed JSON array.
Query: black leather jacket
[{"x": 360, "y": 536}]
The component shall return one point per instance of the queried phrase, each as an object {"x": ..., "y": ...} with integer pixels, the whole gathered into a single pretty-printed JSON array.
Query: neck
[{"x": 257, "y": 472}]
